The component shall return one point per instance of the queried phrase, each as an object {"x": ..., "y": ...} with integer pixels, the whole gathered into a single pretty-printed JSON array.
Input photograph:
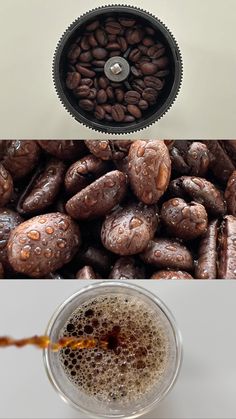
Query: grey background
[
  {"x": 204, "y": 310},
  {"x": 30, "y": 30}
]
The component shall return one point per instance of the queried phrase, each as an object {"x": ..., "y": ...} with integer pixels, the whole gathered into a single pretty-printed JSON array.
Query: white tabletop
[
  {"x": 30, "y": 30},
  {"x": 205, "y": 312}
]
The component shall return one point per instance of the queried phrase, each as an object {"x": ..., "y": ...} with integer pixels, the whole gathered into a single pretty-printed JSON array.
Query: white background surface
[
  {"x": 204, "y": 29},
  {"x": 204, "y": 310}
]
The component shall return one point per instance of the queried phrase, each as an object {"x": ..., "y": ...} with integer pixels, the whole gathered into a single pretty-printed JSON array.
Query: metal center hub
[{"x": 117, "y": 69}]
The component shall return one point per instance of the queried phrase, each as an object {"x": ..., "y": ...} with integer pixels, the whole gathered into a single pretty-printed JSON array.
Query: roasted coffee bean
[
  {"x": 135, "y": 55},
  {"x": 20, "y": 157},
  {"x": 156, "y": 51},
  {"x": 101, "y": 37},
  {"x": 227, "y": 250},
  {"x": 84, "y": 71},
  {"x": 86, "y": 57},
  {"x": 84, "y": 43},
  {"x": 99, "y": 64},
  {"x": 220, "y": 161},
  {"x": 166, "y": 253},
  {"x": 230, "y": 194},
  {"x": 153, "y": 82},
  {"x": 113, "y": 27},
  {"x": 82, "y": 91},
  {"x": 204, "y": 192},
  {"x": 63, "y": 149},
  {"x": 101, "y": 96},
  {"x": 6, "y": 186},
  {"x": 117, "y": 113},
  {"x": 45, "y": 188},
  {"x": 127, "y": 268},
  {"x": 92, "y": 94},
  {"x": 198, "y": 159},
  {"x": 43, "y": 244},
  {"x": 92, "y": 26},
  {"x": 148, "y": 68},
  {"x": 134, "y": 111},
  {"x": 161, "y": 63},
  {"x": 8, "y": 221},
  {"x": 110, "y": 93},
  {"x": 171, "y": 275},
  {"x": 86, "y": 104},
  {"x": 103, "y": 82},
  {"x": 113, "y": 46},
  {"x": 99, "y": 53},
  {"x": 73, "y": 80},
  {"x": 150, "y": 95},
  {"x": 134, "y": 36},
  {"x": 86, "y": 82},
  {"x": 149, "y": 169},
  {"x": 128, "y": 231},
  {"x": 148, "y": 41},
  {"x": 132, "y": 97},
  {"x": 127, "y": 22},
  {"x": 86, "y": 272},
  {"x": 92, "y": 41},
  {"x": 135, "y": 71},
  {"x": 99, "y": 112},
  {"x": 74, "y": 53},
  {"x": 129, "y": 118},
  {"x": 185, "y": 221},
  {"x": 143, "y": 105},
  {"x": 122, "y": 42},
  {"x": 83, "y": 172},
  {"x": 206, "y": 267},
  {"x": 98, "y": 198}
]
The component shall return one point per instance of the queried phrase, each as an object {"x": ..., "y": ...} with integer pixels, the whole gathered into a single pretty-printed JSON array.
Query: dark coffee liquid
[{"x": 137, "y": 348}]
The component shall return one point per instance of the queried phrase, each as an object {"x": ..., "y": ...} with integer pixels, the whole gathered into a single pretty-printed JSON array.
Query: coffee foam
[{"x": 132, "y": 367}]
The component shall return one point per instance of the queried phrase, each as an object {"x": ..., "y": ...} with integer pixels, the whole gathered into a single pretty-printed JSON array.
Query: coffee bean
[
  {"x": 129, "y": 118},
  {"x": 103, "y": 82},
  {"x": 115, "y": 53},
  {"x": 98, "y": 63},
  {"x": 99, "y": 112},
  {"x": 153, "y": 82},
  {"x": 101, "y": 96},
  {"x": 85, "y": 57},
  {"x": 86, "y": 104},
  {"x": 92, "y": 94},
  {"x": 86, "y": 82},
  {"x": 150, "y": 95},
  {"x": 127, "y": 22},
  {"x": 132, "y": 97},
  {"x": 147, "y": 41},
  {"x": 143, "y": 49},
  {"x": 134, "y": 36},
  {"x": 99, "y": 53},
  {"x": 143, "y": 105},
  {"x": 148, "y": 68},
  {"x": 117, "y": 113},
  {"x": 155, "y": 51},
  {"x": 134, "y": 111},
  {"x": 108, "y": 117},
  {"x": 135, "y": 55},
  {"x": 113, "y": 46},
  {"x": 122, "y": 42},
  {"x": 82, "y": 91},
  {"x": 85, "y": 71},
  {"x": 74, "y": 53},
  {"x": 119, "y": 94},
  {"x": 92, "y": 41},
  {"x": 84, "y": 43},
  {"x": 92, "y": 26},
  {"x": 110, "y": 93},
  {"x": 162, "y": 63},
  {"x": 113, "y": 28},
  {"x": 73, "y": 80},
  {"x": 101, "y": 37},
  {"x": 135, "y": 71},
  {"x": 107, "y": 108}
]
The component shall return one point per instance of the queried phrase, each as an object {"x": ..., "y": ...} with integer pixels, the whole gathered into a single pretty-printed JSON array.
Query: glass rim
[{"x": 167, "y": 313}]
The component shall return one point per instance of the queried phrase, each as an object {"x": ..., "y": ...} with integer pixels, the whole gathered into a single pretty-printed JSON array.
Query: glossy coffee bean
[
  {"x": 86, "y": 272},
  {"x": 149, "y": 170},
  {"x": 6, "y": 186},
  {"x": 134, "y": 111},
  {"x": 227, "y": 250},
  {"x": 128, "y": 231},
  {"x": 63, "y": 149},
  {"x": 127, "y": 268},
  {"x": 117, "y": 113},
  {"x": 230, "y": 194},
  {"x": 184, "y": 220},
  {"x": 206, "y": 267},
  {"x": 98, "y": 198},
  {"x": 171, "y": 275},
  {"x": 8, "y": 221},
  {"x": 166, "y": 253},
  {"x": 73, "y": 80},
  {"x": 148, "y": 68},
  {"x": 132, "y": 97},
  {"x": 43, "y": 244},
  {"x": 20, "y": 157}
]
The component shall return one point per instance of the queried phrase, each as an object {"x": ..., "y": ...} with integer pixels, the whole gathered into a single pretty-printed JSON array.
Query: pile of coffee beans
[
  {"x": 122, "y": 100},
  {"x": 118, "y": 209}
]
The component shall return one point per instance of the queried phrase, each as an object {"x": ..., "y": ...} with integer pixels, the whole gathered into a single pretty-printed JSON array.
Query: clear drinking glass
[{"x": 87, "y": 404}]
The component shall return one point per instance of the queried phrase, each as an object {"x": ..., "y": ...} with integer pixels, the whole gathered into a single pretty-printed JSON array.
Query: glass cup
[{"x": 82, "y": 401}]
